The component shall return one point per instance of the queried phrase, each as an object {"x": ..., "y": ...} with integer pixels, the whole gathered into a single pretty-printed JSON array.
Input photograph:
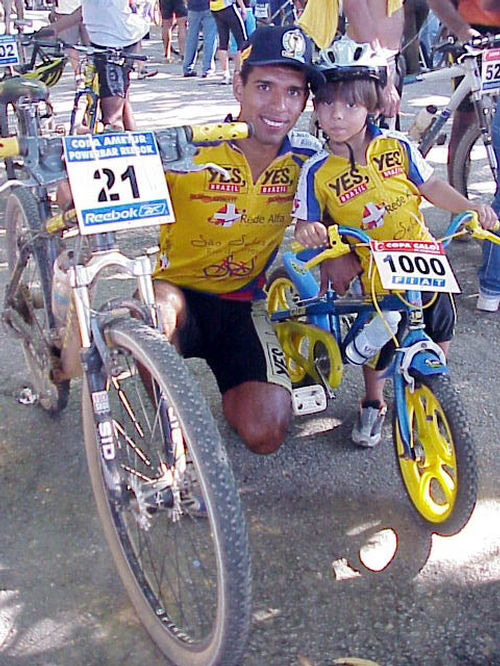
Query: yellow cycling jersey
[
  {"x": 381, "y": 198},
  {"x": 228, "y": 229}
]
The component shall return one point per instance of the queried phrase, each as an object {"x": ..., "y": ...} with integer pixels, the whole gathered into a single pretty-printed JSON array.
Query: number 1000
[{"x": 418, "y": 264}]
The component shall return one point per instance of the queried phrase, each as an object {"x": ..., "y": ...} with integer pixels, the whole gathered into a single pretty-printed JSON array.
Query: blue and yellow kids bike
[{"x": 432, "y": 437}]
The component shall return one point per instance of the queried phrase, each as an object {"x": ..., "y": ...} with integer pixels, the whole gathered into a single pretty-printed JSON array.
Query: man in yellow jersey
[{"x": 212, "y": 260}]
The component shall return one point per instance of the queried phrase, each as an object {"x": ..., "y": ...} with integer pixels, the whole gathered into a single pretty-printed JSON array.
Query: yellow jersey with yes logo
[
  {"x": 381, "y": 198},
  {"x": 227, "y": 230}
]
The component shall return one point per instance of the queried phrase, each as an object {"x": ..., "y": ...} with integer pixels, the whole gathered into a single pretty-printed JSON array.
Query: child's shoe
[
  {"x": 487, "y": 302},
  {"x": 367, "y": 430}
]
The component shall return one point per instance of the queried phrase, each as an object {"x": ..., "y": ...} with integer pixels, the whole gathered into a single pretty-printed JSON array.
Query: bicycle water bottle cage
[{"x": 12, "y": 90}]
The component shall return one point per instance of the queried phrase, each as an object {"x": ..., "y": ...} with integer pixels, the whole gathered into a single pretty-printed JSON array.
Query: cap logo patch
[{"x": 294, "y": 45}]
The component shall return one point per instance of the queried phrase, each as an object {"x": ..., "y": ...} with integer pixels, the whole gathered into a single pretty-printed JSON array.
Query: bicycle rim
[
  {"x": 282, "y": 295},
  {"x": 178, "y": 535},
  {"x": 440, "y": 478}
]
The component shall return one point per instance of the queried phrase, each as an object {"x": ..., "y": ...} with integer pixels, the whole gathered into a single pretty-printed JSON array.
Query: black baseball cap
[{"x": 282, "y": 45}]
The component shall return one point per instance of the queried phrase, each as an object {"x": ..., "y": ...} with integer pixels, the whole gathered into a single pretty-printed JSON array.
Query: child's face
[{"x": 341, "y": 119}]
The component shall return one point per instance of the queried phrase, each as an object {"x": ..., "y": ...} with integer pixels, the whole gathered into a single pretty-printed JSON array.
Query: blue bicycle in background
[{"x": 431, "y": 433}]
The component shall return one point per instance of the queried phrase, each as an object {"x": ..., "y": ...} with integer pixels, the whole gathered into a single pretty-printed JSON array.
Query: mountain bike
[
  {"x": 88, "y": 89},
  {"x": 474, "y": 171},
  {"x": 431, "y": 433},
  {"x": 162, "y": 481},
  {"x": 45, "y": 64}
]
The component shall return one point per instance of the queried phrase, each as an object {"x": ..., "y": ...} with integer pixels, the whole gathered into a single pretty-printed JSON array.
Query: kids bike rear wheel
[
  {"x": 176, "y": 529},
  {"x": 282, "y": 295},
  {"x": 441, "y": 475}
]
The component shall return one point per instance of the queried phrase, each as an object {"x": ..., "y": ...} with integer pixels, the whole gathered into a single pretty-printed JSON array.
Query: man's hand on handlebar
[{"x": 339, "y": 273}]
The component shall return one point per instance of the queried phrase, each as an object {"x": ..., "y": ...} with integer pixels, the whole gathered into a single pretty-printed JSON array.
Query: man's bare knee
[
  {"x": 171, "y": 307},
  {"x": 260, "y": 414}
]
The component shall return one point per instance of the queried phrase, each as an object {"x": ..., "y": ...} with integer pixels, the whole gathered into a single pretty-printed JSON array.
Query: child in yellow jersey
[{"x": 374, "y": 180}]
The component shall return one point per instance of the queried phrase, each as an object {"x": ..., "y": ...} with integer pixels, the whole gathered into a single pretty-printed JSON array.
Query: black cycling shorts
[
  {"x": 114, "y": 80},
  {"x": 439, "y": 319},
  {"x": 235, "y": 338},
  {"x": 170, "y": 7},
  {"x": 228, "y": 21}
]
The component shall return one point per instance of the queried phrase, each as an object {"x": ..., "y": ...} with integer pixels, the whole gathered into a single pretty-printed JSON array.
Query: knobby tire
[{"x": 220, "y": 570}]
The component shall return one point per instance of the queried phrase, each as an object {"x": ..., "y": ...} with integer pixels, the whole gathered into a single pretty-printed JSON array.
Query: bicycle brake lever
[{"x": 177, "y": 152}]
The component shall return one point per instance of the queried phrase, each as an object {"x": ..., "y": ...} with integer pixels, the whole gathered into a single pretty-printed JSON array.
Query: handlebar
[
  {"x": 468, "y": 220},
  {"x": 60, "y": 46},
  {"x": 456, "y": 47}
]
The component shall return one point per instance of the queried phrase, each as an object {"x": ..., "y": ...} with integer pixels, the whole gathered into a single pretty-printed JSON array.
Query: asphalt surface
[{"x": 310, "y": 508}]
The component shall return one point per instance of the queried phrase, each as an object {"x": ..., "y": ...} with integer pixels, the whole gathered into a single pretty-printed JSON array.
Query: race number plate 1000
[
  {"x": 9, "y": 55},
  {"x": 418, "y": 265},
  {"x": 117, "y": 181}
]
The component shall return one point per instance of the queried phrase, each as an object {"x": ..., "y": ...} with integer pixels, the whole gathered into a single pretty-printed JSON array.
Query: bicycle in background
[{"x": 474, "y": 172}]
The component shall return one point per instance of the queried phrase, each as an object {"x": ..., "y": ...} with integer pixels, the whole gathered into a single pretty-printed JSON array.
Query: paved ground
[{"x": 310, "y": 508}]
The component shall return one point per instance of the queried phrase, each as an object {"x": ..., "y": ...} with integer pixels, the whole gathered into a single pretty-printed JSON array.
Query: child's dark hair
[{"x": 365, "y": 92}]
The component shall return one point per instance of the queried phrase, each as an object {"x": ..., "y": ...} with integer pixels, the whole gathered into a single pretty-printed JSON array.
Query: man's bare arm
[{"x": 447, "y": 14}]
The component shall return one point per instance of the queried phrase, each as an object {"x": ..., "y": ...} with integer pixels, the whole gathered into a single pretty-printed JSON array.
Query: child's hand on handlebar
[
  {"x": 311, "y": 234},
  {"x": 487, "y": 217}
]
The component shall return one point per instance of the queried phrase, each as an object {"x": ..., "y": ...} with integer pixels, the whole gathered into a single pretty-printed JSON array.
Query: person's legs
[
  {"x": 194, "y": 21},
  {"x": 166, "y": 35},
  {"x": 489, "y": 271},
  {"x": 181, "y": 34},
  {"x": 209, "y": 28}
]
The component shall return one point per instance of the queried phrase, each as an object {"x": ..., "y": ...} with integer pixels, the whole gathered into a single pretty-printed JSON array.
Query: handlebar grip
[
  {"x": 218, "y": 132},
  {"x": 9, "y": 147}
]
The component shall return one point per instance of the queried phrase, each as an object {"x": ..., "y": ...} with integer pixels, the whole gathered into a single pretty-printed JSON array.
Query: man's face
[{"x": 272, "y": 100}]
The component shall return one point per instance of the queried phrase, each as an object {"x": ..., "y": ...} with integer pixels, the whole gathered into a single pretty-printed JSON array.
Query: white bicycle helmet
[{"x": 346, "y": 59}]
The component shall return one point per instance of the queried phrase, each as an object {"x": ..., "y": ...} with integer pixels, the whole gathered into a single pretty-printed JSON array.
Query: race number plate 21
[
  {"x": 117, "y": 181},
  {"x": 418, "y": 265}
]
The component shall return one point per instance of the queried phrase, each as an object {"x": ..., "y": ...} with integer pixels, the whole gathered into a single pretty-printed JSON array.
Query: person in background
[
  {"x": 73, "y": 35},
  {"x": 200, "y": 18},
  {"x": 229, "y": 21},
  {"x": 466, "y": 20},
  {"x": 173, "y": 10},
  {"x": 108, "y": 23}
]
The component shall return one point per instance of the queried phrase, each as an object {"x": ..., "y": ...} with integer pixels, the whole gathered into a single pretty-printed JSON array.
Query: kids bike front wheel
[
  {"x": 173, "y": 519},
  {"x": 441, "y": 475}
]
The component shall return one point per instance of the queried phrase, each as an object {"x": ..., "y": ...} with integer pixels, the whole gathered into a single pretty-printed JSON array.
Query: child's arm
[{"x": 442, "y": 195}]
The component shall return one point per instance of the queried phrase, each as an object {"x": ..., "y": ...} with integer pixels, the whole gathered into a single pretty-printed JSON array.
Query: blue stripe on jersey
[{"x": 314, "y": 212}]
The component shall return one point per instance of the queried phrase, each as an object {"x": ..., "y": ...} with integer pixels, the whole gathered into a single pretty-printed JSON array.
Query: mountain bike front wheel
[
  {"x": 441, "y": 476},
  {"x": 177, "y": 533},
  {"x": 30, "y": 302}
]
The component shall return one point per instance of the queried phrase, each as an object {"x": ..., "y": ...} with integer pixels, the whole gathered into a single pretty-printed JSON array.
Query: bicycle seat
[{"x": 11, "y": 90}]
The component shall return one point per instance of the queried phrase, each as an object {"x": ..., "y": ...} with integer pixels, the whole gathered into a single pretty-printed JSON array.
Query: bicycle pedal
[{"x": 309, "y": 400}]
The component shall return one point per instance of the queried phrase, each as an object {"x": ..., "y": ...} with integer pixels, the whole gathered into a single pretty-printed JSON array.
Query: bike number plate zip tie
[{"x": 309, "y": 400}]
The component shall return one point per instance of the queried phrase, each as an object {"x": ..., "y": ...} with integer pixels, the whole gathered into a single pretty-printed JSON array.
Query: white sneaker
[
  {"x": 226, "y": 79},
  {"x": 487, "y": 303},
  {"x": 367, "y": 430}
]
